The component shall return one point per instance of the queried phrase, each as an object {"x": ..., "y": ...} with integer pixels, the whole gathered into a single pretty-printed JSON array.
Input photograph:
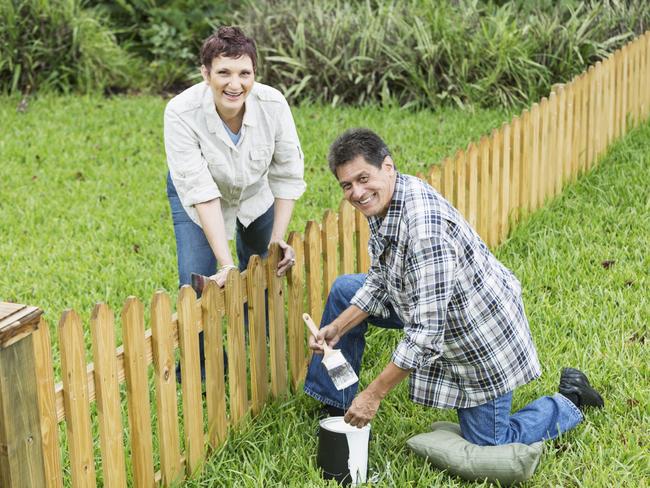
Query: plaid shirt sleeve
[
  {"x": 430, "y": 268},
  {"x": 372, "y": 296}
]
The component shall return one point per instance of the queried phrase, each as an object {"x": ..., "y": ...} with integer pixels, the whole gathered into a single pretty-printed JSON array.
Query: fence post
[{"x": 21, "y": 450}]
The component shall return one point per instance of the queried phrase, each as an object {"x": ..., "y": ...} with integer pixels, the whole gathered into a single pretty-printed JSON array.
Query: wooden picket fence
[{"x": 492, "y": 182}]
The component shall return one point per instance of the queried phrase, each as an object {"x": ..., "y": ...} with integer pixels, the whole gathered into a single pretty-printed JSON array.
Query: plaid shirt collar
[{"x": 386, "y": 229}]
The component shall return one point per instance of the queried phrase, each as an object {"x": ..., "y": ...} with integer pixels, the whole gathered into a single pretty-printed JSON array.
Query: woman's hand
[
  {"x": 329, "y": 334},
  {"x": 221, "y": 275},
  {"x": 288, "y": 258}
]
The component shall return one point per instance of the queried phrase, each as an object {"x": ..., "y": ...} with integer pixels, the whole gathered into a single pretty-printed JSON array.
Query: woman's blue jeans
[
  {"x": 194, "y": 254},
  {"x": 193, "y": 250},
  {"x": 487, "y": 424}
]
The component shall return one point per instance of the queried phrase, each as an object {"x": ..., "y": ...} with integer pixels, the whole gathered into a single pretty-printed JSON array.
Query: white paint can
[{"x": 343, "y": 451}]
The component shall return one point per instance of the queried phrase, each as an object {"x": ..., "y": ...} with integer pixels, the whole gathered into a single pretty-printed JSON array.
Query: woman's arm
[{"x": 214, "y": 229}]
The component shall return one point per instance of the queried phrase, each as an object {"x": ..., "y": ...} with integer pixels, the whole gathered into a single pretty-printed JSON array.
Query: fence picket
[
  {"x": 472, "y": 185},
  {"x": 77, "y": 414},
  {"x": 296, "y": 283},
  {"x": 448, "y": 180},
  {"x": 460, "y": 181},
  {"x": 484, "y": 188},
  {"x": 434, "y": 177},
  {"x": 277, "y": 332},
  {"x": 212, "y": 307},
  {"x": 494, "y": 223},
  {"x": 504, "y": 183},
  {"x": 107, "y": 393},
  {"x": 330, "y": 249},
  {"x": 346, "y": 236},
  {"x": 257, "y": 333},
  {"x": 611, "y": 99},
  {"x": 515, "y": 171},
  {"x": 188, "y": 337},
  {"x": 535, "y": 123},
  {"x": 236, "y": 346},
  {"x": 46, "y": 405},
  {"x": 526, "y": 156},
  {"x": 314, "y": 270},
  {"x": 559, "y": 141},
  {"x": 162, "y": 342},
  {"x": 542, "y": 183},
  {"x": 137, "y": 392},
  {"x": 363, "y": 234},
  {"x": 568, "y": 136}
]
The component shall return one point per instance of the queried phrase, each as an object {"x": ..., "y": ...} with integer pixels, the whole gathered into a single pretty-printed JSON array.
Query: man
[{"x": 466, "y": 343}]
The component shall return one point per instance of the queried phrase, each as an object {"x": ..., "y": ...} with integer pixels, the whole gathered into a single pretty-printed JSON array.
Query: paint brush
[{"x": 337, "y": 366}]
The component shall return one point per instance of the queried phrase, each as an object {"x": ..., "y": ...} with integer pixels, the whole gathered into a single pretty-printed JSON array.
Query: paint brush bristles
[{"x": 338, "y": 368}]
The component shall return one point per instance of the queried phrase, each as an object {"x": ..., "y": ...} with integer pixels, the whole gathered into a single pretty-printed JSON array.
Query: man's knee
[{"x": 345, "y": 287}]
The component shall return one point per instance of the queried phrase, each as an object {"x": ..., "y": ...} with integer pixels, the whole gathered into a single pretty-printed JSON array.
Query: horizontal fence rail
[{"x": 154, "y": 431}]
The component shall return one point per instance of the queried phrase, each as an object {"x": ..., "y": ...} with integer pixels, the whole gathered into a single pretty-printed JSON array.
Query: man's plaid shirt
[{"x": 465, "y": 332}]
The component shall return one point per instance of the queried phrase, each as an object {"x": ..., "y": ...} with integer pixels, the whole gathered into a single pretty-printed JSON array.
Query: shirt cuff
[
  {"x": 367, "y": 302},
  {"x": 287, "y": 190},
  {"x": 408, "y": 355}
]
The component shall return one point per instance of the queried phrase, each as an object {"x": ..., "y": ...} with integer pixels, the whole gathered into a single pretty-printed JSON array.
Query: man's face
[
  {"x": 231, "y": 80},
  {"x": 366, "y": 187}
]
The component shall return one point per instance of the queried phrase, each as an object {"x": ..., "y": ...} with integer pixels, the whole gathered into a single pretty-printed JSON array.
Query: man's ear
[
  {"x": 388, "y": 164},
  {"x": 205, "y": 73}
]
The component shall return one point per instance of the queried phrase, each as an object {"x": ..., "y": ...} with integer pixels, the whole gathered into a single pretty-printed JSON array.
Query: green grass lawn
[{"x": 84, "y": 218}]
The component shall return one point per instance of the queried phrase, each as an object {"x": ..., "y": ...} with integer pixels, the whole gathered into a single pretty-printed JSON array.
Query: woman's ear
[{"x": 205, "y": 73}]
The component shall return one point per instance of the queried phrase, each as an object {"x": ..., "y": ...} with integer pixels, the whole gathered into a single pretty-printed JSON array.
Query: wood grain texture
[
  {"x": 314, "y": 270},
  {"x": 330, "y": 249},
  {"x": 472, "y": 185},
  {"x": 102, "y": 328},
  {"x": 137, "y": 392},
  {"x": 296, "y": 285},
  {"x": 73, "y": 370},
  {"x": 484, "y": 188},
  {"x": 21, "y": 454},
  {"x": 164, "y": 366},
  {"x": 257, "y": 331},
  {"x": 346, "y": 236},
  {"x": 188, "y": 334},
  {"x": 47, "y": 405},
  {"x": 363, "y": 234},
  {"x": 277, "y": 330},
  {"x": 460, "y": 182}
]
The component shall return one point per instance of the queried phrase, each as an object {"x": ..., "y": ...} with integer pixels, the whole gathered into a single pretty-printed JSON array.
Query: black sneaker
[{"x": 575, "y": 386}]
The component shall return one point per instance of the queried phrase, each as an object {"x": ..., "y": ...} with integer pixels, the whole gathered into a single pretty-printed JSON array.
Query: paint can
[{"x": 343, "y": 451}]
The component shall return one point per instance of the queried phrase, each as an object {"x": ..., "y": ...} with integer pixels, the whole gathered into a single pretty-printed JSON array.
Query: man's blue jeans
[{"x": 487, "y": 424}]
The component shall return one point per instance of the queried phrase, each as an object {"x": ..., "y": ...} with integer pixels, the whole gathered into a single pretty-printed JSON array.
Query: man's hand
[
  {"x": 363, "y": 409},
  {"x": 288, "y": 258},
  {"x": 329, "y": 333}
]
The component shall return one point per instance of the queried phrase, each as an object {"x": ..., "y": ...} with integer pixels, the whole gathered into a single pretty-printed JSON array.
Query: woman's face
[{"x": 231, "y": 80}]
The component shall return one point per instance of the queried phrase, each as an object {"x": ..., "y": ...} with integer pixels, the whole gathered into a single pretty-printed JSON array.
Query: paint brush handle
[{"x": 314, "y": 330}]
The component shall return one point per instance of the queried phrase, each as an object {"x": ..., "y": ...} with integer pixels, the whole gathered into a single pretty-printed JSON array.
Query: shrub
[
  {"x": 166, "y": 35},
  {"x": 428, "y": 52},
  {"x": 58, "y": 45}
]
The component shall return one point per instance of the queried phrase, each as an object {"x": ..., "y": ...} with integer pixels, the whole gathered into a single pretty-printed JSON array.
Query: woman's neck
[{"x": 232, "y": 120}]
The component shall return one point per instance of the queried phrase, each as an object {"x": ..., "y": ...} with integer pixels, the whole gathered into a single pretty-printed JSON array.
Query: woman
[{"x": 235, "y": 163}]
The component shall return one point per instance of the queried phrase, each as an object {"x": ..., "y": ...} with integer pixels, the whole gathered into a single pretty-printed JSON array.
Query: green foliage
[
  {"x": 429, "y": 52},
  {"x": 58, "y": 45},
  {"x": 166, "y": 34}
]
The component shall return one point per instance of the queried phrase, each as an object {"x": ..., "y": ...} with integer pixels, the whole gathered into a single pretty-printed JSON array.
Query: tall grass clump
[
  {"x": 59, "y": 45},
  {"x": 432, "y": 52}
]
